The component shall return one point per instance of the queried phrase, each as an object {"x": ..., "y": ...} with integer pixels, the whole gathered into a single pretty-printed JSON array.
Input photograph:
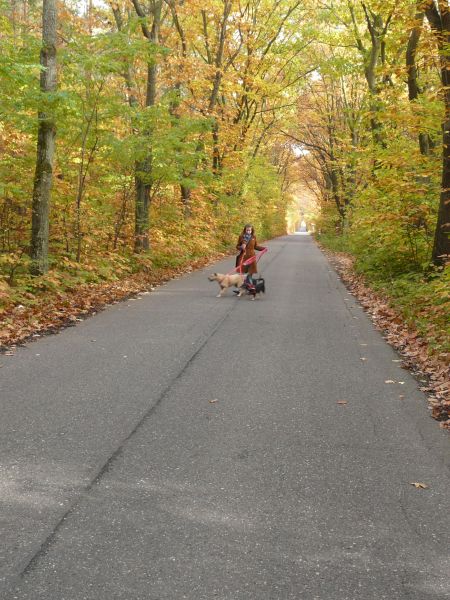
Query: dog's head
[{"x": 213, "y": 277}]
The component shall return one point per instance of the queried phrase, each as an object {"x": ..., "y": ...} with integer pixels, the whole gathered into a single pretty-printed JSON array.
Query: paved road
[{"x": 121, "y": 480}]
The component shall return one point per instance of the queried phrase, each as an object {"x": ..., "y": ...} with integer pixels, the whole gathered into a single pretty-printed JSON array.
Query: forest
[{"x": 140, "y": 135}]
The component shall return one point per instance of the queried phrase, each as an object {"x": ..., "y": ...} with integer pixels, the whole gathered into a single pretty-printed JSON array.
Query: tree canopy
[{"x": 175, "y": 121}]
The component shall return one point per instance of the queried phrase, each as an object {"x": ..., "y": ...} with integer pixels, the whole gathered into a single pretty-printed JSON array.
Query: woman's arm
[{"x": 259, "y": 248}]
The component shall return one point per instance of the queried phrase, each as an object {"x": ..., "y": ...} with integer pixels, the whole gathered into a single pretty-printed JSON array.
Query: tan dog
[{"x": 226, "y": 281}]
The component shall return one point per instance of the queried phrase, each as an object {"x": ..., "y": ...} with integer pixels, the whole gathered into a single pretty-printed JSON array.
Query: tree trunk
[
  {"x": 142, "y": 190},
  {"x": 371, "y": 58},
  {"x": 143, "y": 172},
  {"x": 45, "y": 146},
  {"x": 143, "y": 176},
  {"x": 370, "y": 72},
  {"x": 441, "y": 246},
  {"x": 440, "y": 24},
  {"x": 413, "y": 84},
  {"x": 142, "y": 205},
  {"x": 186, "y": 199},
  {"x": 216, "y": 149}
]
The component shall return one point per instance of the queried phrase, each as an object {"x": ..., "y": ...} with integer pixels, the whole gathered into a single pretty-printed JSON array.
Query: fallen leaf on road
[
  {"x": 213, "y": 401},
  {"x": 342, "y": 401},
  {"x": 389, "y": 381},
  {"x": 401, "y": 396},
  {"x": 362, "y": 358},
  {"x": 419, "y": 486}
]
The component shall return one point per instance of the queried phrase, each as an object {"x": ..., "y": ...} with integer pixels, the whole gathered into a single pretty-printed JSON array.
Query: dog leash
[{"x": 247, "y": 262}]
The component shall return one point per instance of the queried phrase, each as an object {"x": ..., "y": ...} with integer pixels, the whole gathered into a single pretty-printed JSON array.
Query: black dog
[{"x": 258, "y": 287}]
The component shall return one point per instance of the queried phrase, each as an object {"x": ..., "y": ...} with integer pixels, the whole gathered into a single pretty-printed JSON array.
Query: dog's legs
[{"x": 222, "y": 292}]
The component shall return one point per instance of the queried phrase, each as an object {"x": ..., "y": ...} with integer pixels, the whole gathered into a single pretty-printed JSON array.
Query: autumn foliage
[{"x": 167, "y": 117}]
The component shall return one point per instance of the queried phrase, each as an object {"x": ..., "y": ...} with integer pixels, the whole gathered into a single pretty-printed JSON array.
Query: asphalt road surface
[{"x": 181, "y": 445}]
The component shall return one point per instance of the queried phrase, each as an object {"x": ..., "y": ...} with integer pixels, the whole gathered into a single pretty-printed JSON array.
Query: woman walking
[{"x": 247, "y": 245}]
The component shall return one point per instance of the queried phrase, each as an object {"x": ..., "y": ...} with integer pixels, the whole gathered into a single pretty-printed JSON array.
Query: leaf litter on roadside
[
  {"x": 51, "y": 312},
  {"x": 414, "y": 349}
]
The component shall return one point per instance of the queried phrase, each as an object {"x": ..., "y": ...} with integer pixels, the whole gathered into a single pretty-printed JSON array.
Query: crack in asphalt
[{"x": 31, "y": 561}]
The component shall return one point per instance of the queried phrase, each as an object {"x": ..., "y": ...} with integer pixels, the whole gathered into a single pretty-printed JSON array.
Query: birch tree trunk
[{"x": 45, "y": 145}]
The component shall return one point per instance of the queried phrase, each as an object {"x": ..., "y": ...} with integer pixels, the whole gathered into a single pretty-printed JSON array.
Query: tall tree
[
  {"x": 214, "y": 57},
  {"x": 414, "y": 90},
  {"x": 438, "y": 15},
  {"x": 46, "y": 143},
  {"x": 373, "y": 55},
  {"x": 143, "y": 176}
]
